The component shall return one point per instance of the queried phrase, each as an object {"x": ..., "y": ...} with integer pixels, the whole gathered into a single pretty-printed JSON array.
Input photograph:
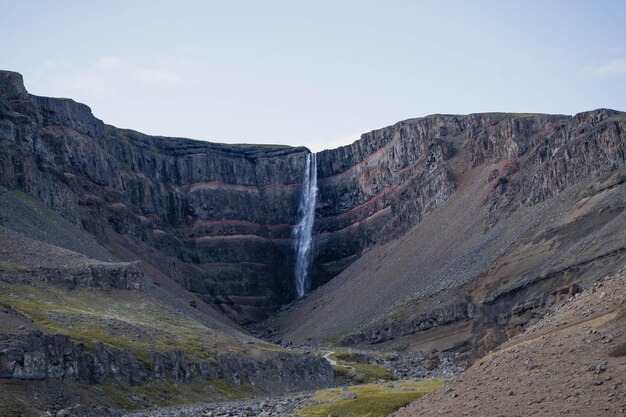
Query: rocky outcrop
[
  {"x": 101, "y": 275},
  {"x": 540, "y": 159},
  {"x": 216, "y": 218},
  {"x": 279, "y": 372},
  {"x": 25, "y": 260},
  {"x": 563, "y": 362},
  {"x": 530, "y": 204},
  {"x": 382, "y": 185},
  {"x": 38, "y": 356},
  {"x": 393, "y": 328}
]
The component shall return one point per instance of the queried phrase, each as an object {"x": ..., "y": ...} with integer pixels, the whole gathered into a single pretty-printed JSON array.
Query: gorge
[{"x": 446, "y": 233}]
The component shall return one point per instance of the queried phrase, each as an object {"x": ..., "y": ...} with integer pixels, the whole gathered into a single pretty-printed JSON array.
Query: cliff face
[
  {"x": 36, "y": 356},
  {"x": 216, "y": 218},
  {"x": 219, "y": 218},
  {"x": 534, "y": 208},
  {"x": 378, "y": 188}
]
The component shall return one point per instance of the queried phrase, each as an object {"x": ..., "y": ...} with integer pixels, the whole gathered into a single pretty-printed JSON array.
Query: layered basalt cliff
[
  {"x": 378, "y": 188},
  {"x": 219, "y": 218},
  {"x": 537, "y": 208},
  {"x": 216, "y": 218}
]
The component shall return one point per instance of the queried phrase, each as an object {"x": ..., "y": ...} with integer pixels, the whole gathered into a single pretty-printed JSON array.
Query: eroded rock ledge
[{"x": 39, "y": 356}]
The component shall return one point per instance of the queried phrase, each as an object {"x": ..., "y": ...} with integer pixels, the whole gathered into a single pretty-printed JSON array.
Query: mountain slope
[
  {"x": 536, "y": 209},
  {"x": 219, "y": 219},
  {"x": 92, "y": 334},
  {"x": 572, "y": 362},
  {"x": 132, "y": 260}
]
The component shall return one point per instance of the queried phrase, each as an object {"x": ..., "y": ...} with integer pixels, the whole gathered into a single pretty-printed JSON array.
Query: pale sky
[{"x": 315, "y": 73}]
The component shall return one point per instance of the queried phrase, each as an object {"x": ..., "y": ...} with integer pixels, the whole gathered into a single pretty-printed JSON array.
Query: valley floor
[
  {"x": 371, "y": 400},
  {"x": 377, "y": 383},
  {"x": 572, "y": 362}
]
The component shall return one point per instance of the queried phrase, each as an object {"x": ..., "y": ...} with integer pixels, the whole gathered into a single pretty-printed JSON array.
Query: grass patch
[
  {"x": 10, "y": 405},
  {"x": 358, "y": 371},
  {"x": 119, "y": 319},
  {"x": 352, "y": 357},
  {"x": 371, "y": 400},
  {"x": 228, "y": 392},
  {"x": 332, "y": 340},
  {"x": 275, "y": 348},
  {"x": 167, "y": 394}
]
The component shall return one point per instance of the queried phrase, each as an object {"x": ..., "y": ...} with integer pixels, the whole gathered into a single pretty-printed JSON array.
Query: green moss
[
  {"x": 190, "y": 345},
  {"x": 370, "y": 406},
  {"x": 119, "y": 319},
  {"x": 344, "y": 374},
  {"x": 372, "y": 400},
  {"x": 229, "y": 392},
  {"x": 155, "y": 393},
  {"x": 372, "y": 372},
  {"x": 332, "y": 340},
  {"x": 275, "y": 348},
  {"x": 166, "y": 394},
  {"x": 116, "y": 396},
  {"x": 352, "y": 357},
  {"x": 42, "y": 314},
  {"x": 358, "y": 372}
]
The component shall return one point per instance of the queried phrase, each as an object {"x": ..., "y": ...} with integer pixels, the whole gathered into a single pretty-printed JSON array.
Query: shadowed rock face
[
  {"x": 37, "y": 356},
  {"x": 216, "y": 218},
  {"x": 219, "y": 218}
]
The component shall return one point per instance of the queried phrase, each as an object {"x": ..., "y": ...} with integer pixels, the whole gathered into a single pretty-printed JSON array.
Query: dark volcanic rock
[
  {"x": 12, "y": 86},
  {"x": 25, "y": 260},
  {"x": 39, "y": 356},
  {"x": 216, "y": 218},
  {"x": 378, "y": 188},
  {"x": 278, "y": 373},
  {"x": 219, "y": 218},
  {"x": 121, "y": 275}
]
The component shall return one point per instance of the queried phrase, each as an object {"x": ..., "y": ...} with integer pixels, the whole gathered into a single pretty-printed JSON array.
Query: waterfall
[{"x": 304, "y": 229}]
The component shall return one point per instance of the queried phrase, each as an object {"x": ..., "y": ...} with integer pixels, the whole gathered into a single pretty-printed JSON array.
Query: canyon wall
[
  {"x": 219, "y": 218},
  {"x": 534, "y": 206},
  {"x": 216, "y": 218}
]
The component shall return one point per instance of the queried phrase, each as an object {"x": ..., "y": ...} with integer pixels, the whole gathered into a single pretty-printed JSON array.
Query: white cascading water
[{"x": 304, "y": 229}]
